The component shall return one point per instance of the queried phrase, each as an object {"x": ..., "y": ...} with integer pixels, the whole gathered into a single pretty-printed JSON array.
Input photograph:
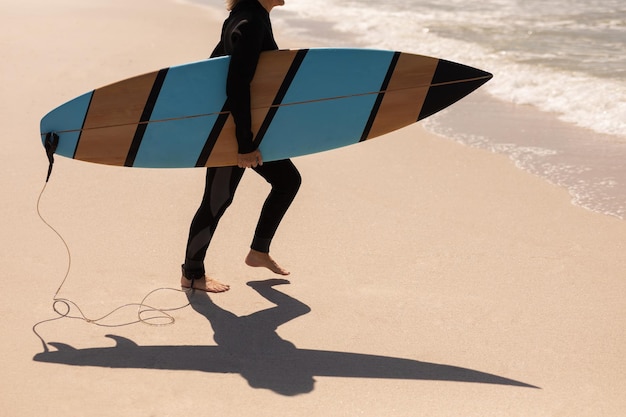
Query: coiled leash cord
[{"x": 63, "y": 307}]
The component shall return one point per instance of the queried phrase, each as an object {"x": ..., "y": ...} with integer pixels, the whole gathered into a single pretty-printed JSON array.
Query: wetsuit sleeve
[
  {"x": 219, "y": 50},
  {"x": 246, "y": 40}
]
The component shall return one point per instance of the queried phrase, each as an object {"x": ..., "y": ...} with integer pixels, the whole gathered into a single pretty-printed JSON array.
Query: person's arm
[{"x": 246, "y": 44}]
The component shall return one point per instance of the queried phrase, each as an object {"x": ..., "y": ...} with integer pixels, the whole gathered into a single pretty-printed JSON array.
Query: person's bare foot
[
  {"x": 204, "y": 284},
  {"x": 264, "y": 260}
]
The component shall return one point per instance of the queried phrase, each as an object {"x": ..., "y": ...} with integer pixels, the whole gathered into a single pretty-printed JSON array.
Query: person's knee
[
  {"x": 283, "y": 176},
  {"x": 295, "y": 183},
  {"x": 292, "y": 184}
]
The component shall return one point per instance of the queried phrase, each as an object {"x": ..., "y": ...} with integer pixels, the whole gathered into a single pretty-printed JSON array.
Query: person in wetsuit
[{"x": 245, "y": 34}]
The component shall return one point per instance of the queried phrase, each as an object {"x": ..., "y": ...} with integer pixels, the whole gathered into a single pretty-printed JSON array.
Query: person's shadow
[
  {"x": 261, "y": 356},
  {"x": 250, "y": 346}
]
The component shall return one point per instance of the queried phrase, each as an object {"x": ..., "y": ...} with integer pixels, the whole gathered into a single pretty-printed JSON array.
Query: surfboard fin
[{"x": 50, "y": 144}]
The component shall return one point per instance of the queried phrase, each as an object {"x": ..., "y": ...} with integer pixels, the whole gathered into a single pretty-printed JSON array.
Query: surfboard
[{"x": 303, "y": 101}]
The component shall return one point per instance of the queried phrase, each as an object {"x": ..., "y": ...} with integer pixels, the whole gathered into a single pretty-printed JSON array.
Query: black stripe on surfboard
[
  {"x": 381, "y": 95},
  {"x": 451, "y": 82},
  {"x": 213, "y": 136},
  {"x": 282, "y": 92},
  {"x": 145, "y": 117},
  {"x": 82, "y": 126}
]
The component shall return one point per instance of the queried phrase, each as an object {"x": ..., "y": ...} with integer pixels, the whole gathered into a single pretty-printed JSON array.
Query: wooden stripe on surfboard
[
  {"x": 381, "y": 95},
  {"x": 282, "y": 91},
  {"x": 264, "y": 91},
  {"x": 216, "y": 130},
  {"x": 112, "y": 145},
  {"x": 403, "y": 100}
]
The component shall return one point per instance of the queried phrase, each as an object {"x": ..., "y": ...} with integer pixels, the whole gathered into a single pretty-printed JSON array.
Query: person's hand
[{"x": 249, "y": 160}]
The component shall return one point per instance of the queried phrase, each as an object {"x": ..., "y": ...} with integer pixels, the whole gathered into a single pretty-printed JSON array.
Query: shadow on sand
[{"x": 250, "y": 346}]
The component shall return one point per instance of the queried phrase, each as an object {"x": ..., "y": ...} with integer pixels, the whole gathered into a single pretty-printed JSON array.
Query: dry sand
[{"x": 428, "y": 278}]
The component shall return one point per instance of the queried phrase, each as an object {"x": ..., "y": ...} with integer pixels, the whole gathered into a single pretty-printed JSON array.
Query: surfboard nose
[{"x": 451, "y": 82}]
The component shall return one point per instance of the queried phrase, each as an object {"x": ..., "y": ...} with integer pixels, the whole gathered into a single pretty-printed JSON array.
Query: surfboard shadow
[{"x": 250, "y": 346}]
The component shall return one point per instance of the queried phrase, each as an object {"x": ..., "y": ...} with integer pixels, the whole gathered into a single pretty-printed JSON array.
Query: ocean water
[{"x": 559, "y": 77}]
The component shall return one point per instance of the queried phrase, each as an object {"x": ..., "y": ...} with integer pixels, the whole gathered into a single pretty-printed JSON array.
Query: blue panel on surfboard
[
  {"x": 321, "y": 123},
  {"x": 345, "y": 72},
  {"x": 70, "y": 117},
  {"x": 187, "y": 90},
  {"x": 173, "y": 144},
  {"x": 316, "y": 126},
  {"x": 192, "y": 90}
]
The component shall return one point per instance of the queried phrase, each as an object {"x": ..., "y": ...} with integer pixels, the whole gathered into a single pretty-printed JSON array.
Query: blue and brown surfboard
[{"x": 303, "y": 101}]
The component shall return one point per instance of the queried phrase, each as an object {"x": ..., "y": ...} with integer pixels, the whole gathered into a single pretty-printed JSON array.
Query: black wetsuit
[{"x": 245, "y": 34}]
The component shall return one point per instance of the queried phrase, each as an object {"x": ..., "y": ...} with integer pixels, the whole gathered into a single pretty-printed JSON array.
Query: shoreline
[
  {"x": 586, "y": 164},
  {"x": 436, "y": 277}
]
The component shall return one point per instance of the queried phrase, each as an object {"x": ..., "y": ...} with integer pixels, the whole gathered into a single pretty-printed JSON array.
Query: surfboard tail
[{"x": 451, "y": 82}]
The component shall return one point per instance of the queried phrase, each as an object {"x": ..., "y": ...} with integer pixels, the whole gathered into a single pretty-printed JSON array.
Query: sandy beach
[{"x": 428, "y": 278}]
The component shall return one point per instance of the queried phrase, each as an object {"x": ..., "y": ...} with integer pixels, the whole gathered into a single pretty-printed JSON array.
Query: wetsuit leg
[
  {"x": 285, "y": 180},
  {"x": 219, "y": 191}
]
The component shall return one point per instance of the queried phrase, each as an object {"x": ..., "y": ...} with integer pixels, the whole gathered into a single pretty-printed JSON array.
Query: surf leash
[
  {"x": 50, "y": 145},
  {"x": 63, "y": 306}
]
